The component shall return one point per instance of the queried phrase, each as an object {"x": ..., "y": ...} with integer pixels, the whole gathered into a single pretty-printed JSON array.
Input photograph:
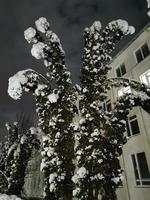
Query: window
[
  {"x": 141, "y": 170},
  {"x": 132, "y": 126},
  {"x": 124, "y": 90},
  {"x": 145, "y": 78},
  {"x": 107, "y": 105},
  {"x": 142, "y": 53},
  {"x": 121, "y": 70}
]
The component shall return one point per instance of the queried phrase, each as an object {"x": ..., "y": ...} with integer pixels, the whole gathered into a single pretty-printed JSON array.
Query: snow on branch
[
  {"x": 121, "y": 25},
  {"x": 24, "y": 80},
  {"x": 148, "y": 6},
  {"x": 42, "y": 24},
  {"x": 9, "y": 197},
  {"x": 46, "y": 45},
  {"x": 137, "y": 86}
]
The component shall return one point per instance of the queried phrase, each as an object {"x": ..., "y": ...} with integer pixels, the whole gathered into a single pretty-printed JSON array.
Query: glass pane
[
  {"x": 135, "y": 167},
  {"x": 118, "y": 73},
  {"x": 144, "y": 171},
  {"x": 145, "y": 182},
  {"x": 123, "y": 69},
  {"x": 132, "y": 117},
  {"x": 145, "y": 50},
  {"x": 128, "y": 129},
  {"x": 138, "y": 182},
  {"x": 134, "y": 127},
  {"x": 139, "y": 56}
]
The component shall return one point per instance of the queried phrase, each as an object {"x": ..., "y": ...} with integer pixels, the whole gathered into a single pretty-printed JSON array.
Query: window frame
[
  {"x": 129, "y": 127},
  {"x": 140, "y": 48},
  {"x": 139, "y": 180},
  {"x": 120, "y": 70}
]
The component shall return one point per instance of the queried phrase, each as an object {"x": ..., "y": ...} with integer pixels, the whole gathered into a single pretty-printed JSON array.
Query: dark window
[
  {"x": 144, "y": 171},
  {"x": 128, "y": 128},
  {"x": 132, "y": 126},
  {"x": 118, "y": 72},
  {"x": 139, "y": 56},
  {"x": 142, "y": 53},
  {"x": 145, "y": 50},
  {"x": 141, "y": 170},
  {"x": 135, "y": 167},
  {"x": 121, "y": 70}
]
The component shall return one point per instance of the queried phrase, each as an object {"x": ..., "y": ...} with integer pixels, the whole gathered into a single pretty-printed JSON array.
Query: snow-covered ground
[{"x": 8, "y": 197}]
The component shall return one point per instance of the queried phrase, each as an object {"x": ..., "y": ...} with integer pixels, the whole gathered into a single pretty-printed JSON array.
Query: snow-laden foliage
[
  {"x": 55, "y": 108},
  {"x": 24, "y": 79},
  {"x": 81, "y": 142},
  {"x": 101, "y": 134},
  {"x": 148, "y": 6},
  {"x": 9, "y": 197},
  {"x": 17, "y": 151}
]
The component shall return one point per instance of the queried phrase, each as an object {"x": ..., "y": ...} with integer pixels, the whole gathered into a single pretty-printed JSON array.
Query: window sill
[
  {"x": 142, "y": 186},
  {"x": 132, "y": 136}
]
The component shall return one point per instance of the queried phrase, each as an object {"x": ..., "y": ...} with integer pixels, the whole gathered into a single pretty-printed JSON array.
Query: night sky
[{"x": 68, "y": 18}]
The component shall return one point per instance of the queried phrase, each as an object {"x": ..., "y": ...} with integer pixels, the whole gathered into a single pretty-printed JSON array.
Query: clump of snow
[
  {"x": 33, "y": 130},
  {"x": 29, "y": 35},
  {"x": 131, "y": 30},
  {"x": 53, "y": 97},
  {"x": 37, "y": 50},
  {"x": 76, "y": 191},
  {"x": 42, "y": 24},
  {"x": 96, "y": 26},
  {"x": 8, "y": 197},
  {"x": 8, "y": 127},
  {"x": 54, "y": 38},
  {"x": 81, "y": 172},
  {"x": 39, "y": 89},
  {"x": 118, "y": 179},
  {"x": 122, "y": 25},
  {"x": 148, "y": 3},
  {"x": 52, "y": 177},
  {"x": 15, "y": 84}
]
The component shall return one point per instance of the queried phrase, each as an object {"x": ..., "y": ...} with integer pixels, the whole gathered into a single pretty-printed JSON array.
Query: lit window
[
  {"x": 132, "y": 126},
  {"x": 121, "y": 70},
  {"x": 142, "y": 53},
  {"x": 141, "y": 170},
  {"x": 145, "y": 78},
  {"x": 124, "y": 90}
]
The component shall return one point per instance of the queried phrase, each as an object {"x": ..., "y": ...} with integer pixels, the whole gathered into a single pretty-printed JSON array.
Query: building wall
[
  {"x": 33, "y": 186},
  {"x": 140, "y": 142}
]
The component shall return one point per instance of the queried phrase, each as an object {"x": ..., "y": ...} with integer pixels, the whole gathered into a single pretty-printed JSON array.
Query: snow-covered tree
[
  {"x": 55, "y": 108},
  {"x": 97, "y": 140},
  {"x": 101, "y": 134},
  {"x": 15, "y": 156}
]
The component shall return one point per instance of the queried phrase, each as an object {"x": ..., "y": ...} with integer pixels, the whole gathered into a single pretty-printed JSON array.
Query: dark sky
[{"x": 68, "y": 18}]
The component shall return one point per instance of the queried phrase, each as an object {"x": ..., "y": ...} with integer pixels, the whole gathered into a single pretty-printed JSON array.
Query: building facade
[{"x": 133, "y": 62}]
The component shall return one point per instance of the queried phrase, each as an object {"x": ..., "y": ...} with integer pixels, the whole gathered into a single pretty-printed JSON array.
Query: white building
[{"x": 134, "y": 62}]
